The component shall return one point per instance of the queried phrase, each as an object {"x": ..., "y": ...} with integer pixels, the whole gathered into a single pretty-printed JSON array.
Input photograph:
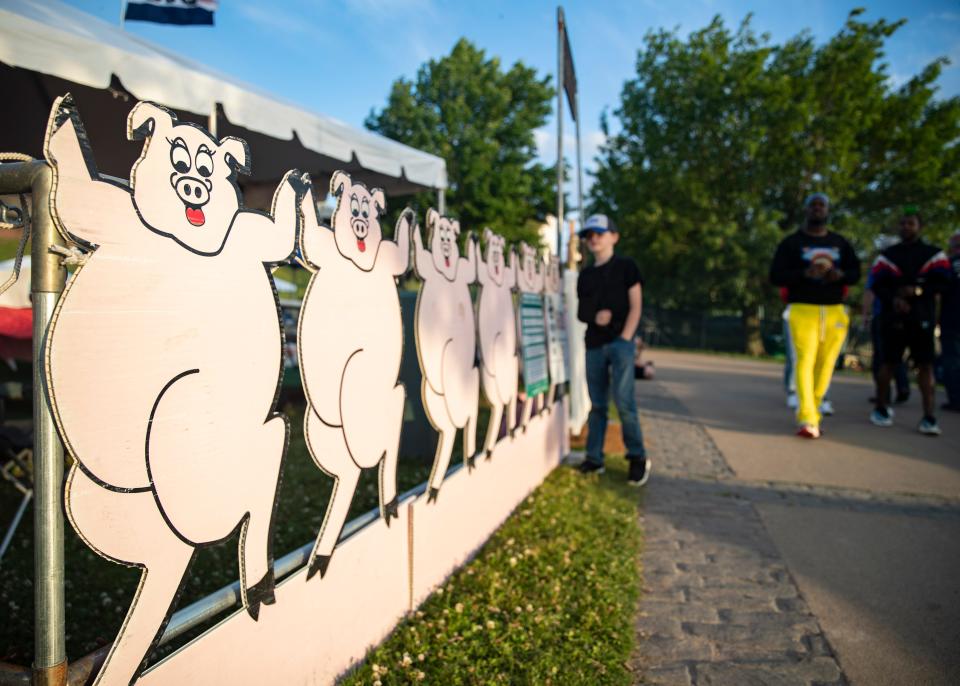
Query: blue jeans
[
  {"x": 610, "y": 372},
  {"x": 950, "y": 361}
]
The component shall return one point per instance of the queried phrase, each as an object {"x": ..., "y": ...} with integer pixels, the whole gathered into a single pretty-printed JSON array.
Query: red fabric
[{"x": 16, "y": 322}]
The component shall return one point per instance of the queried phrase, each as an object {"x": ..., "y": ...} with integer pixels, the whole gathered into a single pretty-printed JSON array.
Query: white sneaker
[
  {"x": 826, "y": 408},
  {"x": 792, "y": 401},
  {"x": 882, "y": 417}
]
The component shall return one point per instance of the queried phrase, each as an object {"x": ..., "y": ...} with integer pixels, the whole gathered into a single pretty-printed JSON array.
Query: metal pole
[
  {"x": 441, "y": 201},
  {"x": 560, "y": 29},
  {"x": 579, "y": 165},
  {"x": 48, "y": 277},
  {"x": 47, "y": 281},
  {"x": 212, "y": 121}
]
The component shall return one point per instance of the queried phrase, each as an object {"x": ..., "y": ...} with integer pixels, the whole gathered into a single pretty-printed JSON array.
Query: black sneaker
[
  {"x": 901, "y": 398},
  {"x": 639, "y": 471},
  {"x": 588, "y": 466}
]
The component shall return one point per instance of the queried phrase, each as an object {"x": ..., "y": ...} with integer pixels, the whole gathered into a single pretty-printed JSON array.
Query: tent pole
[
  {"x": 212, "y": 121},
  {"x": 441, "y": 201},
  {"x": 579, "y": 164}
]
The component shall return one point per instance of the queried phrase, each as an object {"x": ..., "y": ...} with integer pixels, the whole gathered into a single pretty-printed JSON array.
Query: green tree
[
  {"x": 723, "y": 135},
  {"x": 481, "y": 119}
]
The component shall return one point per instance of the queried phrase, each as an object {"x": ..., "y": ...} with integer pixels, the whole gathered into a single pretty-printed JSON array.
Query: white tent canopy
[{"x": 52, "y": 38}]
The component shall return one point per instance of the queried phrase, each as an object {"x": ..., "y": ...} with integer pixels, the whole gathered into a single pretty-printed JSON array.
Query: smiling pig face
[
  {"x": 356, "y": 221},
  {"x": 443, "y": 243},
  {"x": 495, "y": 258},
  {"x": 184, "y": 184}
]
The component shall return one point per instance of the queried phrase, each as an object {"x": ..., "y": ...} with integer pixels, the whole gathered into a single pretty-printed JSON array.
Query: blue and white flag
[{"x": 181, "y": 12}]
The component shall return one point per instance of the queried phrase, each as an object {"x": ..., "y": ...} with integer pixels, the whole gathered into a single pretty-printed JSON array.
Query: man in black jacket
[
  {"x": 815, "y": 265},
  {"x": 905, "y": 279}
]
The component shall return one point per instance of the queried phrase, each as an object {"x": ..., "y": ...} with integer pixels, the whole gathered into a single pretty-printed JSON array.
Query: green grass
[{"x": 550, "y": 598}]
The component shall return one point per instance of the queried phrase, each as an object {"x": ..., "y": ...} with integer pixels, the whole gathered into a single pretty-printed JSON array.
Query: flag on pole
[
  {"x": 569, "y": 76},
  {"x": 181, "y": 12}
]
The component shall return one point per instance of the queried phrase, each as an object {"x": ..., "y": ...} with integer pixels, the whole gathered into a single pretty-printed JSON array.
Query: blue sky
[{"x": 340, "y": 58}]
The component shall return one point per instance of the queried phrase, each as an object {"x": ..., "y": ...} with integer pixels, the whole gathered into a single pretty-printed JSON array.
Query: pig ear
[
  {"x": 456, "y": 227},
  {"x": 145, "y": 118},
  {"x": 487, "y": 234},
  {"x": 432, "y": 218},
  {"x": 338, "y": 182},
  {"x": 379, "y": 201},
  {"x": 236, "y": 153}
]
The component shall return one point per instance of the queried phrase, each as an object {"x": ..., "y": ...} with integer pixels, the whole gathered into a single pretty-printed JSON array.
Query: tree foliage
[
  {"x": 724, "y": 134},
  {"x": 481, "y": 120}
]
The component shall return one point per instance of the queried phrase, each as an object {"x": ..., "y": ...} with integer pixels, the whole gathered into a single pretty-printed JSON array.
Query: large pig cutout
[
  {"x": 447, "y": 341},
  {"x": 497, "y": 324},
  {"x": 530, "y": 279},
  {"x": 350, "y": 339},
  {"x": 171, "y": 422}
]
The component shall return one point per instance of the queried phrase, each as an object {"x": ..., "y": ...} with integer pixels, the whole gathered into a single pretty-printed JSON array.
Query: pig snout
[
  {"x": 360, "y": 228},
  {"x": 192, "y": 191}
]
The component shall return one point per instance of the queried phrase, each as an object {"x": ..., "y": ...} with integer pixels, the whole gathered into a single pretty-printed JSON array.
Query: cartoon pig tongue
[
  {"x": 446, "y": 260},
  {"x": 195, "y": 216},
  {"x": 361, "y": 245}
]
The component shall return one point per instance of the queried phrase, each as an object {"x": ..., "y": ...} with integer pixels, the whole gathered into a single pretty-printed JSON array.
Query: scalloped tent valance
[{"x": 57, "y": 40}]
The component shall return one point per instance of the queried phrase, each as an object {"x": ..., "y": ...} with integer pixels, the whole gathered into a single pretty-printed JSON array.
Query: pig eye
[
  {"x": 354, "y": 206},
  {"x": 204, "y": 162},
  {"x": 365, "y": 208},
  {"x": 179, "y": 155}
]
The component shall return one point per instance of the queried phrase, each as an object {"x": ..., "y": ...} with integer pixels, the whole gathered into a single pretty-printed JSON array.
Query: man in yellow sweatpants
[{"x": 816, "y": 266}]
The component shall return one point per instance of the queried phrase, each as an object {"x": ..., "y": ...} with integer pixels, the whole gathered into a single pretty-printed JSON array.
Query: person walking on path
[
  {"x": 950, "y": 328},
  {"x": 815, "y": 265},
  {"x": 905, "y": 278},
  {"x": 610, "y": 302},
  {"x": 871, "y": 315}
]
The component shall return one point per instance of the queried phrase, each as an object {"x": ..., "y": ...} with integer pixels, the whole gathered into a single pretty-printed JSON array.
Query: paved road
[{"x": 771, "y": 559}]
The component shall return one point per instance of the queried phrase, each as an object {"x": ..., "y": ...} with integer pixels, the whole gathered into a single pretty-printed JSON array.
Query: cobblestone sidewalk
[{"x": 719, "y": 605}]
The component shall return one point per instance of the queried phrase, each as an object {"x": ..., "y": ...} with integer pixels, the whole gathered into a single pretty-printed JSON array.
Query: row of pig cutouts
[{"x": 164, "y": 354}]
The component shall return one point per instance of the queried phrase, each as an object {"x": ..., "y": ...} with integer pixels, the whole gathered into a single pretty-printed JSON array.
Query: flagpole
[
  {"x": 123, "y": 10},
  {"x": 579, "y": 165},
  {"x": 560, "y": 30}
]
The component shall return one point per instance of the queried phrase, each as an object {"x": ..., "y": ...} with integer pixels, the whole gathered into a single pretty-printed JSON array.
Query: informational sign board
[
  {"x": 533, "y": 344},
  {"x": 557, "y": 346}
]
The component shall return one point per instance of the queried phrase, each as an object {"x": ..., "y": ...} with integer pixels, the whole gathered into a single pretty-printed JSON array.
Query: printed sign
[
  {"x": 533, "y": 336},
  {"x": 556, "y": 338}
]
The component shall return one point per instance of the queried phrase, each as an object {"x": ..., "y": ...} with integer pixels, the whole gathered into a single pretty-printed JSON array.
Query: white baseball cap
[{"x": 598, "y": 223}]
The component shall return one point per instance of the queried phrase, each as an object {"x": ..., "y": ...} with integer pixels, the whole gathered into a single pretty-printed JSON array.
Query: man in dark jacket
[
  {"x": 905, "y": 279},
  {"x": 815, "y": 265}
]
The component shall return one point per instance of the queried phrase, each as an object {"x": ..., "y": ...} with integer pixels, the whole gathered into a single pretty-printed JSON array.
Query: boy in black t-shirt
[{"x": 610, "y": 299}]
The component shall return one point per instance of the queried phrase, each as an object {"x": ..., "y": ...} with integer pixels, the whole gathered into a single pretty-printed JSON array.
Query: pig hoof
[
  {"x": 432, "y": 495},
  {"x": 261, "y": 593},
  {"x": 489, "y": 454},
  {"x": 471, "y": 462},
  {"x": 318, "y": 564},
  {"x": 391, "y": 510}
]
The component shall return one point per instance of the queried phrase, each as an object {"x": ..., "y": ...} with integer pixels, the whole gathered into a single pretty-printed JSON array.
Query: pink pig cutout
[
  {"x": 530, "y": 278},
  {"x": 350, "y": 338},
  {"x": 447, "y": 341},
  {"x": 497, "y": 324},
  {"x": 170, "y": 421}
]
